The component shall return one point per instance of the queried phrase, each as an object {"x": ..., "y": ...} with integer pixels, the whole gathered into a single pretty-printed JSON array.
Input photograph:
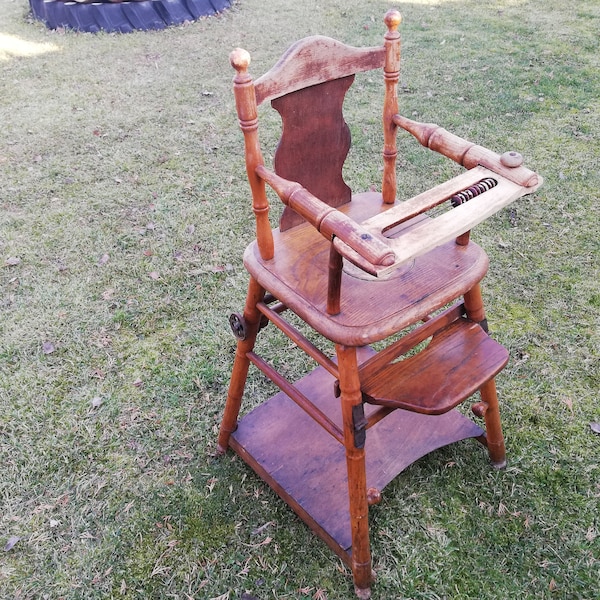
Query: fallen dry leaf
[
  {"x": 154, "y": 275},
  {"x": 48, "y": 348},
  {"x": 11, "y": 543},
  {"x": 595, "y": 427},
  {"x": 262, "y": 528},
  {"x": 97, "y": 402},
  {"x": 103, "y": 259},
  {"x": 12, "y": 261}
]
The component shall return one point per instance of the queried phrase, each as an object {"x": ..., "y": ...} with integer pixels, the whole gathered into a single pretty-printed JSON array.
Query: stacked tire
[{"x": 123, "y": 17}]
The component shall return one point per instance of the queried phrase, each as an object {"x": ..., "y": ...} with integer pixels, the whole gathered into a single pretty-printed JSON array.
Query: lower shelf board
[{"x": 307, "y": 467}]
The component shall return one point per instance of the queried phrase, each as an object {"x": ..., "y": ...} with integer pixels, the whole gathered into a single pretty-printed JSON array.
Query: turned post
[
  {"x": 334, "y": 282},
  {"x": 351, "y": 399},
  {"x": 245, "y": 101},
  {"x": 493, "y": 427},
  {"x": 474, "y": 308},
  {"x": 251, "y": 319},
  {"x": 391, "y": 74}
]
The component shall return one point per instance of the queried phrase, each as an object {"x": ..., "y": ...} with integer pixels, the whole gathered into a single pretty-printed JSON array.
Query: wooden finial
[
  {"x": 392, "y": 19},
  {"x": 240, "y": 60}
]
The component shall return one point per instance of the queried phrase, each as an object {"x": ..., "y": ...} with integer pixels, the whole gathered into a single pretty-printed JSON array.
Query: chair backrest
[{"x": 307, "y": 87}]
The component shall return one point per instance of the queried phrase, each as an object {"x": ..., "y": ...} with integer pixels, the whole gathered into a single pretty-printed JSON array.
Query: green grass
[{"x": 123, "y": 201}]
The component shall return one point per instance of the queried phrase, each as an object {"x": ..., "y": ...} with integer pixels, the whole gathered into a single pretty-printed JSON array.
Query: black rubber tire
[{"x": 123, "y": 17}]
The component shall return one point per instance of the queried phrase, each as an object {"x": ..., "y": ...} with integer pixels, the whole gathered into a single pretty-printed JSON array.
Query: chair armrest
[
  {"x": 331, "y": 223},
  {"x": 468, "y": 154}
]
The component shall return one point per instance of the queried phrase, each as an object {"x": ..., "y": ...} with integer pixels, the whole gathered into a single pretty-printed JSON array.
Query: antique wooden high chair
[{"x": 358, "y": 269}]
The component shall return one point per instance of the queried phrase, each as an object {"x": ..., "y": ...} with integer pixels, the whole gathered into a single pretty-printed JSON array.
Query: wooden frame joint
[{"x": 359, "y": 424}]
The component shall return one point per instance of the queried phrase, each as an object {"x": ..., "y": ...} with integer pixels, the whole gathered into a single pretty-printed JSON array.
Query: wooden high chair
[{"x": 359, "y": 269}]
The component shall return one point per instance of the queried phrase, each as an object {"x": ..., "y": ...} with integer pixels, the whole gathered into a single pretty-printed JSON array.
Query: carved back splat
[
  {"x": 307, "y": 87},
  {"x": 314, "y": 143}
]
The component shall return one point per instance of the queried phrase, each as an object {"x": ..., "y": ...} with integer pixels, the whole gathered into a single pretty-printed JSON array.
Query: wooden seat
[{"x": 362, "y": 271}]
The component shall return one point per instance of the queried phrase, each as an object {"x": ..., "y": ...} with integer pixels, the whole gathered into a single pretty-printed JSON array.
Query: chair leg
[
  {"x": 357, "y": 479},
  {"x": 474, "y": 306},
  {"x": 493, "y": 427},
  {"x": 240, "y": 366},
  {"x": 489, "y": 397}
]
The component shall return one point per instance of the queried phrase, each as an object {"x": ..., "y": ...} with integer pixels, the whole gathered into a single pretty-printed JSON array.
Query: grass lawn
[{"x": 124, "y": 212}]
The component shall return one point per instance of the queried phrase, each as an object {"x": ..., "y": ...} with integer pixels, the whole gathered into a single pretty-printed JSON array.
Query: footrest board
[
  {"x": 434, "y": 381},
  {"x": 306, "y": 467}
]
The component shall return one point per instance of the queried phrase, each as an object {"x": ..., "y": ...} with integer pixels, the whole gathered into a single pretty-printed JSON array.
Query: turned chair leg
[
  {"x": 351, "y": 399},
  {"x": 488, "y": 408},
  {"x": 493, "y": 427},
  {"x": 241, "y": 364},
  {"x": 474, "y": 306}
]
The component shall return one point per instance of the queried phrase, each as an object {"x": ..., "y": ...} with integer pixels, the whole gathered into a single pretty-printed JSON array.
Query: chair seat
[
  {"x": 372, "y": 309},
  {"x": 457, "y": 362}
]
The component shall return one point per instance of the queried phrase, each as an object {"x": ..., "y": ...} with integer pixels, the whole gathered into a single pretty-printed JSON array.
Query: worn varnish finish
[{"x": 359, "y": 269}]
